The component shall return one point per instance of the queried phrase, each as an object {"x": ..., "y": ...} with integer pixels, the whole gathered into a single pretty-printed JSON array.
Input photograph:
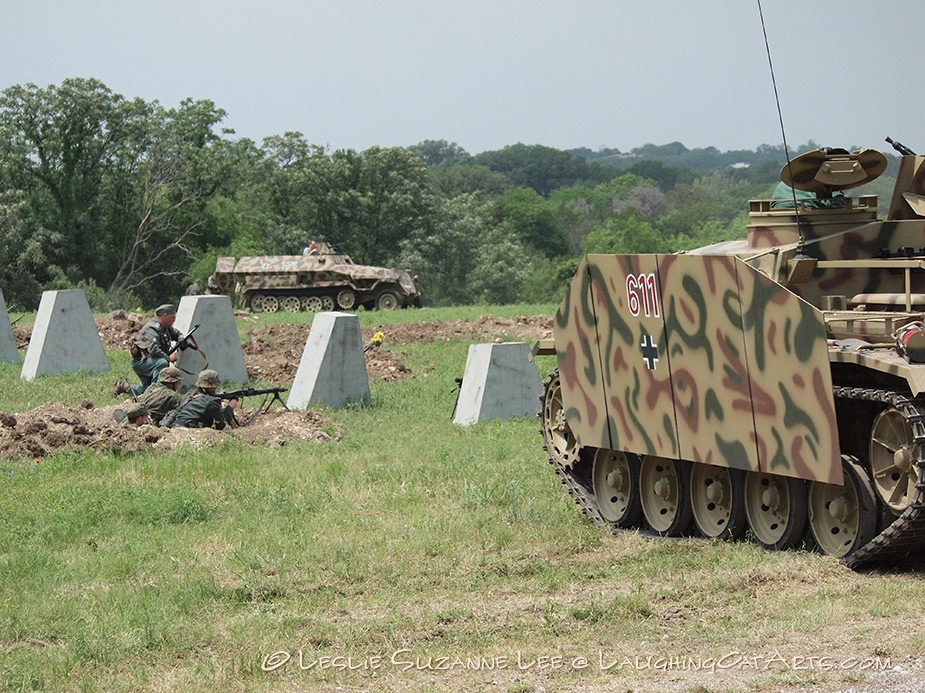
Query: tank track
[
  {"x": 903, "y": 536},
  {"x": 906, "y": 534}
]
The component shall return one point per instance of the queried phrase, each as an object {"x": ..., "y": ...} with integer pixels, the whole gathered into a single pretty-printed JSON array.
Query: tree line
[{"x": 132, "y": 201}]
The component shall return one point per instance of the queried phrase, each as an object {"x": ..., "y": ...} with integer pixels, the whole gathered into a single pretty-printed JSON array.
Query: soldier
[
  {"x": 134, "y": 414},
  {"x": 195, "y": 289},
  {"x": 201, "y": 408},
  {"x": 150, "y": 350},
  {"x": 162, "y": 397}
]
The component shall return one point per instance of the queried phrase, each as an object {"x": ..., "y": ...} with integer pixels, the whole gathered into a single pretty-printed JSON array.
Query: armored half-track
[
  {"x": 772, "y": 386},
  {"x": 319, "y": 279}
]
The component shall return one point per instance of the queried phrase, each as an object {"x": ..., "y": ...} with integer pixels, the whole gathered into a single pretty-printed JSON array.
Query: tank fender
[{"x": 701, "y": 358}]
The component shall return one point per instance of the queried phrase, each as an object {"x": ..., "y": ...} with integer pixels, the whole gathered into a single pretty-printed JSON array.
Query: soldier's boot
[{"x": 120, "y": 387}]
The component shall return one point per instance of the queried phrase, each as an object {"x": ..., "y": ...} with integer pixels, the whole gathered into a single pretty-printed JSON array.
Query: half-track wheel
[
  {"x": 387, "y": 300},
  {"x": 255, "y": 303},
  {"x": 346, "y": 299},
  {"x": 558, "y": 438},
  {"x": 291, "y": 303},
  {"x": 270, "y": 304},
  {"x": 718, "y": 501},
  {"x": 663, "y": 492},
  {"x": 892, "y": 460},
  {"x": 327, "y": 303},
  {"x": 313, "y": 304},
  {"x": 776, "y": 509},
  {"x": 843, "y": 518},
  {"x": 615, "y": 476}
]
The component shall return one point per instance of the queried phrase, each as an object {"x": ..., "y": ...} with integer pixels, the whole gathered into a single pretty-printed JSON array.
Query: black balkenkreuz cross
[{"x": 649, "y": 352}]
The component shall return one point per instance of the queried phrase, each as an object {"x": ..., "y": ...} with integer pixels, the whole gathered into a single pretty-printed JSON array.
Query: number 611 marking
[{"x": 642, "y": 295}]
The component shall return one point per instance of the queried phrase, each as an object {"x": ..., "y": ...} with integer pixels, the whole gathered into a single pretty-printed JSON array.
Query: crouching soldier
[
  {"x": 162, "y": 397},
  {"x": 201, "y": 408}
]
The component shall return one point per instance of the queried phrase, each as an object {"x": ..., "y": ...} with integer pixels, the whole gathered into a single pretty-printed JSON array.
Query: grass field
[{"x": 413, "y": 554}]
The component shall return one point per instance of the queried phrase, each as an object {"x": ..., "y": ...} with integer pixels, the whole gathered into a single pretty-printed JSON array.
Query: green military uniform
[
  {"x": 158, "y": 400},
  {"x": 157, "y": 341},
  {"x": 199, "y": 409}
]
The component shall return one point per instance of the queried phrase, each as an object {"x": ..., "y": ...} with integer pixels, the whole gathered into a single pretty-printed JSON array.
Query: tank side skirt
[{"x": 906, "y": 535}]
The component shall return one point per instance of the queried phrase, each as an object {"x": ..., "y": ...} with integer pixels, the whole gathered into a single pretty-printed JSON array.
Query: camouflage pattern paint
[
  {"x": 697, "y": 358},
  {"x": 321, "y": 273}
]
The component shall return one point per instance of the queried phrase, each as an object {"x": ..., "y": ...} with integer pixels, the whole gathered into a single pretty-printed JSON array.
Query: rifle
[
  {"x": 184, "y": 341},
  {"x": 270, "y": 395},
  {"x": 900, "y": 147}
]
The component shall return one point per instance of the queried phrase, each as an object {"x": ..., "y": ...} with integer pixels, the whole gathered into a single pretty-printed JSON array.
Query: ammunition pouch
[{"x": 138, "y": 350}]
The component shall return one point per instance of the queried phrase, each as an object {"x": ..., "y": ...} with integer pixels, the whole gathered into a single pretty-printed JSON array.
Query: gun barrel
[
  {"x": 250, "y": 392},
  {"x": 900, "y": 147}
]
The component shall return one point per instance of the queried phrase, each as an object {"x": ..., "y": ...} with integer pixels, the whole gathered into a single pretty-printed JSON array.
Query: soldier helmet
[
  {"x": 170, "y": 375},
  {"x": 165, "y": 309},
  {"x": 134, "y": 410},
  {"x": 208, "y": 378}
]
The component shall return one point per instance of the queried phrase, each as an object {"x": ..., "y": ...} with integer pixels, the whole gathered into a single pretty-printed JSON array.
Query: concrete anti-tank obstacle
[
  {"x": 332, "y": 371},
  {"x": 8, "y": 351},
  {"x": 217, "y": 336},
  {"x": 500, "y": 382},
  {"x": 64, "y": 337}
]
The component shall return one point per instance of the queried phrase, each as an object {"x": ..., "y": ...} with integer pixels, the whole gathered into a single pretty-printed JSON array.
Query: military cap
[
  {"x": 165, "y": 309},
  {"x": 170, "y": 375},
  {"x": 208, "y": 378}
]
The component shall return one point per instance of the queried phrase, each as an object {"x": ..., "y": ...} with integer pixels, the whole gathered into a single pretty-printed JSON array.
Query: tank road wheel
[
  {"x": 387, "y": 300},
  {"x": 291, "y": 303},
  {"x": 891, "y": 460},
  {"x": 615, "y": 476},
  {"x": 313, "y": 304},
  {"x": 327, "y": 303},
  {"x": 718, "y": 501},
  {"x": 255, "y": 302},
  {"x": 663, "y": 492},
  {"x": 346, "y": 299},
  {"x": 270, "y": 304},
  {"x": 843, "y": 518},
  {"x": 303, "y": 304},
  {"x": 558, "y": 439},
  {"x": 776, "y": 509}
]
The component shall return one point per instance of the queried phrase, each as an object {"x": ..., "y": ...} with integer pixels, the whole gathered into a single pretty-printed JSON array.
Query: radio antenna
[{"x": 783, "y": 132}]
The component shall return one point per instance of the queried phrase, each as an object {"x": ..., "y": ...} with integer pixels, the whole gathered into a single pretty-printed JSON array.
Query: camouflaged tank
[
  {"x": 318, "y": 280},
  {"x": 773, "y": 385}
]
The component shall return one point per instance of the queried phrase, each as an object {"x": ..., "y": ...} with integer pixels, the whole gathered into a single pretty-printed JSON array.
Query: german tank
[
  {"x": 773, "y": 385},
  {"x": 319, "y": 279}
]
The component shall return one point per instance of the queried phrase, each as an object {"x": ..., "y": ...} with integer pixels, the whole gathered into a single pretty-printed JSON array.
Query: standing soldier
[{"x": 150, "y": 351}]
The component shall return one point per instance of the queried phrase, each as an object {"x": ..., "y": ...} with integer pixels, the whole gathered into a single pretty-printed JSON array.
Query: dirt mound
[
  {"x": 271, "y": 355},
  {"x": 52, "y": 427}
]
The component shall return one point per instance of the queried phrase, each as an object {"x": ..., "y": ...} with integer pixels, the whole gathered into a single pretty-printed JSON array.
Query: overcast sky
[{"x": 489, "y": 73}]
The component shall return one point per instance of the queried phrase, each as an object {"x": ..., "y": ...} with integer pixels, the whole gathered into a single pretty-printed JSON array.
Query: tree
[
  {"x": 440, "y": 153},
  {"x": 533, "y": 220},
  {"x": 119, "y": 186},
  {"x": 22, "y": 252},
  {"x": 60, "y": 142},
  {"x": 445, "y": 255},
  {"x": 174, "y": 179},
  {"x": 542, "y": 168}
]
